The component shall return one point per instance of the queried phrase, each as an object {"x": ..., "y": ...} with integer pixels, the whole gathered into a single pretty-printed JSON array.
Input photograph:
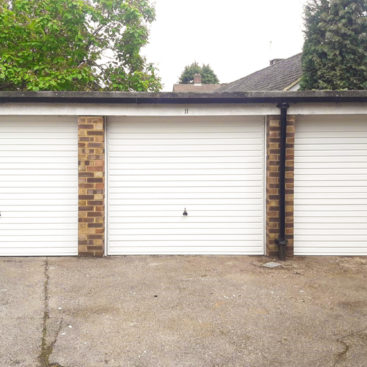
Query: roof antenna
[{"x": 270, "y": 50}]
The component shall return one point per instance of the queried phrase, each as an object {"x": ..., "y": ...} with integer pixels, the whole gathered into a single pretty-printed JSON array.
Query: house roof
[
  {"x": 282, "y": 74},
  {"x": 195, "y": 88}
]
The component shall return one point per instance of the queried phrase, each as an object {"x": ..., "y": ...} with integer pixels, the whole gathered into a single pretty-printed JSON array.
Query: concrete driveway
[{"x": 183, "y": 311}]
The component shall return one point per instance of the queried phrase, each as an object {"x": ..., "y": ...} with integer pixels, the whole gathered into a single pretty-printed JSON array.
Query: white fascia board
[
  {"x": 93, "y": 109},
  {"x": 258, "y": 109},
  {"x": 328, "y": 109}
]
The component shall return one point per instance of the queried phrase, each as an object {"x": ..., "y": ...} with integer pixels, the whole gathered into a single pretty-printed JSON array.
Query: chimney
[
  {"x": 275, "y": 61},
  {"x": 197, "y": 79}
]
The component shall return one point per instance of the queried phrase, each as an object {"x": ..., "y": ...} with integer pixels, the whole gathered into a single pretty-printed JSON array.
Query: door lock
[{"x": 185, "y": 213}]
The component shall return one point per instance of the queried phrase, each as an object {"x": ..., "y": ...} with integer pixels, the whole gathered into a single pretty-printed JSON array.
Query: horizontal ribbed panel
[
  {"x": 330, "y": 195},
  {"x": 38, "y": 186},
  {"x": 213, "y": 168}
]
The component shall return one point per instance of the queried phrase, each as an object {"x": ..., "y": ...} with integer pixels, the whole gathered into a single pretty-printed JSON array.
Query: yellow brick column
[
  {"x": 91, "y": 186},
  {"x": 272, "y": 184}
]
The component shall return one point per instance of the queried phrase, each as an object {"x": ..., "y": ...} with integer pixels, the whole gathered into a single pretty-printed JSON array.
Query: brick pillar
[
  {"x": 272, "y": 184},
  {"x": 91, "y": 186}
]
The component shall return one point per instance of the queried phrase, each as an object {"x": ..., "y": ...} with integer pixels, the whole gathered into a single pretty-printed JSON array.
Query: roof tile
[{"x": 274, "y": 77}]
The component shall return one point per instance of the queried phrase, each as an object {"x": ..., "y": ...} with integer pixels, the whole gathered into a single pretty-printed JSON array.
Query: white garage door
[
  {"x": 330, "y": 215},
  {"x": 38, "y": 186},
  {"x": 211, "y": 167}
]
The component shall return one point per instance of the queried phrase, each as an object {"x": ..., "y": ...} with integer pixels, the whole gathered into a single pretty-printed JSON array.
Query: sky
[{"x": 235, "y": 37}]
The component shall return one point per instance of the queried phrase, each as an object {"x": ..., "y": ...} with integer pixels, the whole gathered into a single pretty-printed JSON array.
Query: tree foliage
[
  {"x": 75, "y": 45},
  {"x": 335, "y": 48},
  {"x": 207, "y": 74}
]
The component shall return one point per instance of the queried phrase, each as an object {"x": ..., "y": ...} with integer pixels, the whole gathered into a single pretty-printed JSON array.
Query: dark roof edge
[{"x": 183, "y": 98}]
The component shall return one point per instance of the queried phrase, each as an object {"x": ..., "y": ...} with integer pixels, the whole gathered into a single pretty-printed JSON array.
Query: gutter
[
  {"x": 184, "y": 98},
  {"x": 282, "y": 241}
]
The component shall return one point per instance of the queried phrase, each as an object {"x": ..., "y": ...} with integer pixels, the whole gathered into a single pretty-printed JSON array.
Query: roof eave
[
  {"x": 291, "y": 85},
  {"x": 183, "y": 98}
]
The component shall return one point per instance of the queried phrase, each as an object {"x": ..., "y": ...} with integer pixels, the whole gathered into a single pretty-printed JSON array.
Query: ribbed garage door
[
  {"x": 212, "y": 168},
  {"x": 38, "y": 186},
  {"x": 330, "y": 215}
]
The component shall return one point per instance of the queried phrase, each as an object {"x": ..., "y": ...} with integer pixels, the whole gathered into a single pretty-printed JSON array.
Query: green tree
[
  {"x": 75, "y": 45},
  {"x": 207, "y": 74},
  {"x": 335, "y": 49}
]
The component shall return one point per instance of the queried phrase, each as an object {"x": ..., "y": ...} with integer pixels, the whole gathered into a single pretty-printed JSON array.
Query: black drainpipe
[{"x": 281, "y": 241}]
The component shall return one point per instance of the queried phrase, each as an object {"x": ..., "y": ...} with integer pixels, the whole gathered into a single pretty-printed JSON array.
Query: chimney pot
[{"x": 197, "y": 79}]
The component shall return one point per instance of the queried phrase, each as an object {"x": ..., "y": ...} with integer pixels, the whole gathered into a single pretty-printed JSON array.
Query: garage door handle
[{"x": 185, "y": 213}]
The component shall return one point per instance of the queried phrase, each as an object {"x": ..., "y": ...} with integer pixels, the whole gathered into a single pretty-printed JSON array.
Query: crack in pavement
[
  {"x": 342, "y": 355},
  {"x": 46, "y": 349}
]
